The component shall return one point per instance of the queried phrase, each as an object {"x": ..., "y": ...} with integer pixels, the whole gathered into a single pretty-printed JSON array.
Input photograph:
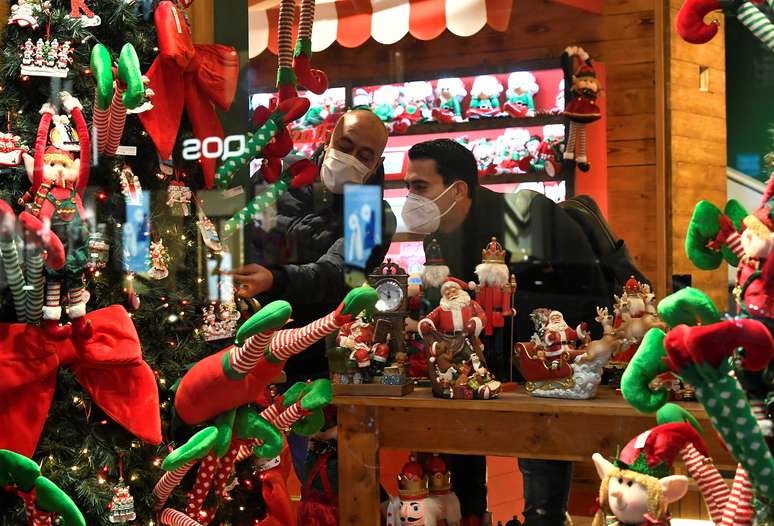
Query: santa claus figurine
[
  {"x": 560, "y": 339},
  {"x": 357, "y": 336},
  {"x": 457, "y": 313},
  {"x": 494, "y": 293}
]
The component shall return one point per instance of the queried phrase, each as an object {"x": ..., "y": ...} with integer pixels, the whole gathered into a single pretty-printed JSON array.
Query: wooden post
[
  {"x": 202, "y": 13},
  {"x": 358, "y": 466}
]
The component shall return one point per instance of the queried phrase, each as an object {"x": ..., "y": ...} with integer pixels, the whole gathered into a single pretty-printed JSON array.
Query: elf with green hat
[{"x": 637, "y": 487}]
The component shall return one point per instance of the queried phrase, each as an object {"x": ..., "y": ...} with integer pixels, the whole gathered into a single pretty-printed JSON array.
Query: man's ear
[
  {"x": 674, "y": 487},
  {"x": 462, "y": 189},
  {"x": 602, "y": 464}
]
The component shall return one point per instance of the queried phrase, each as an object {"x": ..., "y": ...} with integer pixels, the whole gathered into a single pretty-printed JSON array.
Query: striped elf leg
[
  {"x": 286, "y": 77},
  {"x": 116, "y": 122},
  {"x": 569, "y": 151},
  {"x": 13, "y": 272},
  {"x": 312, "y": 79},
  {"x": 53, "y": 310},
  {"x": 711, "y": 484},
  {"x": 290, "y": 416},
  {"x": 734, "y": 243},
  {"x": 244, "y": 358},
  {"x": 289, "y": 342},
  {"x": 757, "y": 22},
  {"x": 99, "y": 121},
  {"x": 168, "y": 482},
  {"x": 36, "y": 282},
  {"x": 171, "y": 517},
  {"x": 582, "y": 144},
  {"x": 739, "y": 510}
]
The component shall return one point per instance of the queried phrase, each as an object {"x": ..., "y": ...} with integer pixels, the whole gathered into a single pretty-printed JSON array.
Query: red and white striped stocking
[
  {"x": 172, "y": 517},
  {"x": 116, "y": 121},
  {"x": 581, "y": 157},
  {"x": 289, "y": 342},
  {"x": 711, "y": 484},
  {"x": 243, "y": 359},
  {"x": 739, "y": 510},
  {"x": 52, "y": 310},
  {"x": 99, "y": 121},
  {"x": 734, "y": 243},
  {"x": 569, "y": 151},
  {"x": 168, "y": 482},
  {"x": 290, "y": 416}
]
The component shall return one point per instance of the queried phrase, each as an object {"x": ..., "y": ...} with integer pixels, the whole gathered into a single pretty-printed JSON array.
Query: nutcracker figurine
[
  {"x": 434, "y": 274},
  {"x": 58, "y": 183},
  {"x": 494, "y": 293}
]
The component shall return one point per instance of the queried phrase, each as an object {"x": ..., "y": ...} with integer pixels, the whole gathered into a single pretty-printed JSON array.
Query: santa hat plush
[{"x": 653, "y": 452}]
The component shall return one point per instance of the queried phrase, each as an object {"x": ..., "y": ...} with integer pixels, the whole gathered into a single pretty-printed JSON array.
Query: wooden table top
[{"x": 607, "y": 403}]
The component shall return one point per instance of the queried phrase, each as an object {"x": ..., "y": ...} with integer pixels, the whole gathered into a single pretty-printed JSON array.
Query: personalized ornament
[
  {"x": 219, "y": 323},
  {"x": 121, "y": 505},
  {"x": 208, "y": 231},
  {"x": 25, "y": 13},
  {"x": 11, "y": 149},
  {"x": 64, "y": 135},
  {"x": 159, "y": 260},
  {"x": 130, "y": 186},
  {"x": 179, "y": 198},
  {"x": 99, "y": 251},
  {"x": 46, "y": 58}
]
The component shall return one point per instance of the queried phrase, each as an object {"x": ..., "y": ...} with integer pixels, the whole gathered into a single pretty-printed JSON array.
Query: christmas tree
[{"x": 81, "y": 449}]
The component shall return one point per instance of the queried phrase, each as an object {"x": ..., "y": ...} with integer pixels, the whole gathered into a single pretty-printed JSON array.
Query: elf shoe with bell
[{"x": 314, "y": 80}]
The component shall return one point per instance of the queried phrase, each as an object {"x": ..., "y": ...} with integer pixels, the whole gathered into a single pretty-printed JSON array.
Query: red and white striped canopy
[{"x": 352, "y": 22}]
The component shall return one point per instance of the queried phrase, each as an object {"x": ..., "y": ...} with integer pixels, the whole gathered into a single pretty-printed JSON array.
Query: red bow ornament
[
  {"x": 194, "y": 77},
  {"x": 108, "y": 365}
]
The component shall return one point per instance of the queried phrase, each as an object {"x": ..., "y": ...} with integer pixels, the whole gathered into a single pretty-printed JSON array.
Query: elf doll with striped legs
[
  {"x": 219, "y": 388},
  {"x": 58, "y": 183}
]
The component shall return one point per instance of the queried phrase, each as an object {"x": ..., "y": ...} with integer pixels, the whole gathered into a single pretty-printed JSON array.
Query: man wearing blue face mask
[
  {"x": 301, "y": 259},
  {"x": 556, "y": 266}
]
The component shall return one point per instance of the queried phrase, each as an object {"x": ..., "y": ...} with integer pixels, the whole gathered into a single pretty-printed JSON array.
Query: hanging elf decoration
[
  {"x": 113, "y": 97},
  {"x": 43, "y": 500},
  {"x": 582, "y": 108}
]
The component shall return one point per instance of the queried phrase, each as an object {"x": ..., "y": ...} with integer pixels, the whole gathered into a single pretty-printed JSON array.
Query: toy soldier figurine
[{"x": 495, "y": 294}]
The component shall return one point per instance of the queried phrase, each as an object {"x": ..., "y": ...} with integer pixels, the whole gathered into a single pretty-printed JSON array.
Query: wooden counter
[{"x": 516, "y": 425}]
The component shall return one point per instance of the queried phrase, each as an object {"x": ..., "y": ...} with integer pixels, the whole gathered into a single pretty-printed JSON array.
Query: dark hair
[{"x": 453, "y": 161}]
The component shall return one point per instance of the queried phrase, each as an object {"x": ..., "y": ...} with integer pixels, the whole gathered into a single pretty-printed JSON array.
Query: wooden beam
[
  {"x": 202, "y": 14},
  {"x": 662, "y": 34}
]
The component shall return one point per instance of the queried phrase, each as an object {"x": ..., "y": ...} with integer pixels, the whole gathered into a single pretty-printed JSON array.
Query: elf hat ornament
[{"x": 653, "y": 452}]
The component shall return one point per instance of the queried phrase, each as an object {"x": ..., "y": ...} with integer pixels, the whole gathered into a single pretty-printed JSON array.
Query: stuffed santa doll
[
  {"x": 457, "y": 313},
  {"x": 638, "y": 486}
]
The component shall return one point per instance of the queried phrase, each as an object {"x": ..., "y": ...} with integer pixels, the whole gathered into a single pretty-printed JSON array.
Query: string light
[
  {"x": 85, "y": 451},
  {"x": 134, "y": 477},
  {"x": 157, "y": 462},
  {"x": 73, "y": 468},
  {"x": 76, "y": 400}
]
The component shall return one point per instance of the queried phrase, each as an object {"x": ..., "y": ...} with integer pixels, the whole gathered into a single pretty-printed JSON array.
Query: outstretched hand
[{"x": 252, "y": 279}]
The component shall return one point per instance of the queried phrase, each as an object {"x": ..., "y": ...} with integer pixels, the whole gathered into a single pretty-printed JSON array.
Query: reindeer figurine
[{"x": 611, "y": 341}]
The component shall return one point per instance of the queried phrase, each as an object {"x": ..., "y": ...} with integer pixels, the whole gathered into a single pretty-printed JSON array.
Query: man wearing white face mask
[
  {"x": 301, "y": 259},
  {"x": 555, "y": 267}
]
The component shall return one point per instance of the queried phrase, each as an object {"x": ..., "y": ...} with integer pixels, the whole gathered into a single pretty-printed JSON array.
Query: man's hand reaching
[{"x": 252, "y": 280}]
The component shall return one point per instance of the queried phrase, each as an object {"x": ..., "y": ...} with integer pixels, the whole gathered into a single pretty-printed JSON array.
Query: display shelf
[
  {"x": 534, "y": 177},
  {"x": 407, "y": 237},
  {"x": 483, "y": 124}
]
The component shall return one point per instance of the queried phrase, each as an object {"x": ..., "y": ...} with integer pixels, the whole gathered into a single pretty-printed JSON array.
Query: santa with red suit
[
  {"x": 560, "y": 337},
  {"x": 456, "y": 312},
  {"x": 357, "y": 336}
]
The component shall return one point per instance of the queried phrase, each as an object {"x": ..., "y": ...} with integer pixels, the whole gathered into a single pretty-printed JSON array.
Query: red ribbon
[
  {"x": 109, "y": 366},
  {"x": 194, "y": 77}
]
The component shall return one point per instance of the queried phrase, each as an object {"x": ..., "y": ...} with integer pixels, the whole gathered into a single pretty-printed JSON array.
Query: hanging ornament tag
[
  {"x": 99, "y": 250},
  {"x": 179, "y": 198},
  {"x": 122, "y": 505},
  {"x": 24, "y": 14},
  {"x": 130, "y": 186},
  {"x": 11, "y": 149},
  {"x": 63, "y": 135},
  {"x": 219, "y": 321},
  {"x": 207, "y": 228},
  {"x": 159, "y": 260},
  {"x": 79, "y": 9},
  {"x": 46, "y": 58}
]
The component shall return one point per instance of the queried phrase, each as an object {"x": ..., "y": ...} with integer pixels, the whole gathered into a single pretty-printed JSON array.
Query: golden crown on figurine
[
  {"x": 439, "y": 482},
  {"x": 412, "y": 480},
  {"x": 493, "y": 253}
]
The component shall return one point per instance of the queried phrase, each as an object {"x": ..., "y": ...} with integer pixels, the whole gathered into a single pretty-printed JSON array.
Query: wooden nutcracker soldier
[
  {"x": 434, "y": 274},
  {"x": 494, "y": 293}
]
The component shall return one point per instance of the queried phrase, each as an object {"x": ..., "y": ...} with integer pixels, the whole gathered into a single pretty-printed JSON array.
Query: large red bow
[
  {"x": 188, "y": 76},
  {"x": 109, "y": 366}
]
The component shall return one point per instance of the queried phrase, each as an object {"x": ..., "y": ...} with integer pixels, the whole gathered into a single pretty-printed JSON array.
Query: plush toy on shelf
[
  {"x": 418, "y": 99},
  {"x": 219, "y": 389},
  {"x": 582, "y": 108},
  {"x": 520, "y": 101},
  {"x": 638, "y": 487},
  {"x": 485, "y": 97},
  {"x": 450, "y": 92}
]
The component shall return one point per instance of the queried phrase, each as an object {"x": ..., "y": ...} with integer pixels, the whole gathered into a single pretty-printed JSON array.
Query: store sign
[{"x": 214, "y": 147}]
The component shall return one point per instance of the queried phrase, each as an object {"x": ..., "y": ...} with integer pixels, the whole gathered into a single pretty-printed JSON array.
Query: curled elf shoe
[
  {"x": 81, "y": 327},
  {"x": 361, "y": 299},
  {"x": 130, "y": 75},
  {"x": 280, "y": 146},
  {"x": 38, "y": 235},
  {"x": 314, "y": 80},
  {"x": 53, "y": 329},
  {"x": 251, "y": 425},
  {"x": 102, "y": 71},
  {"x": 312, "y": 397}
]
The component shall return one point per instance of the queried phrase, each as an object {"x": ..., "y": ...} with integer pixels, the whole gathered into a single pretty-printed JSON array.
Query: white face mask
[
  {"x": 422, "y": 215},
  {"x": 339, "y": 168}
]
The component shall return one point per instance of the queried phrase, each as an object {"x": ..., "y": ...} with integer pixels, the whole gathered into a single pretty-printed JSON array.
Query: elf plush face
[
  {"x": 628, "y": 499},
  {"x": 412, "y": 512},
  {"x": 60, "y": 170},
  {"x": 755, "y": 245}
]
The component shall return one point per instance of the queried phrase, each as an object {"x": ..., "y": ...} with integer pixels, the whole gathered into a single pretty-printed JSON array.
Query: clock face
[{"x": 390, "y": 296}]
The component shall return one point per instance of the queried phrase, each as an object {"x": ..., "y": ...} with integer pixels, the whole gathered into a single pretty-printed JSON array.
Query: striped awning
[{"x": 353, "y": 22}]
